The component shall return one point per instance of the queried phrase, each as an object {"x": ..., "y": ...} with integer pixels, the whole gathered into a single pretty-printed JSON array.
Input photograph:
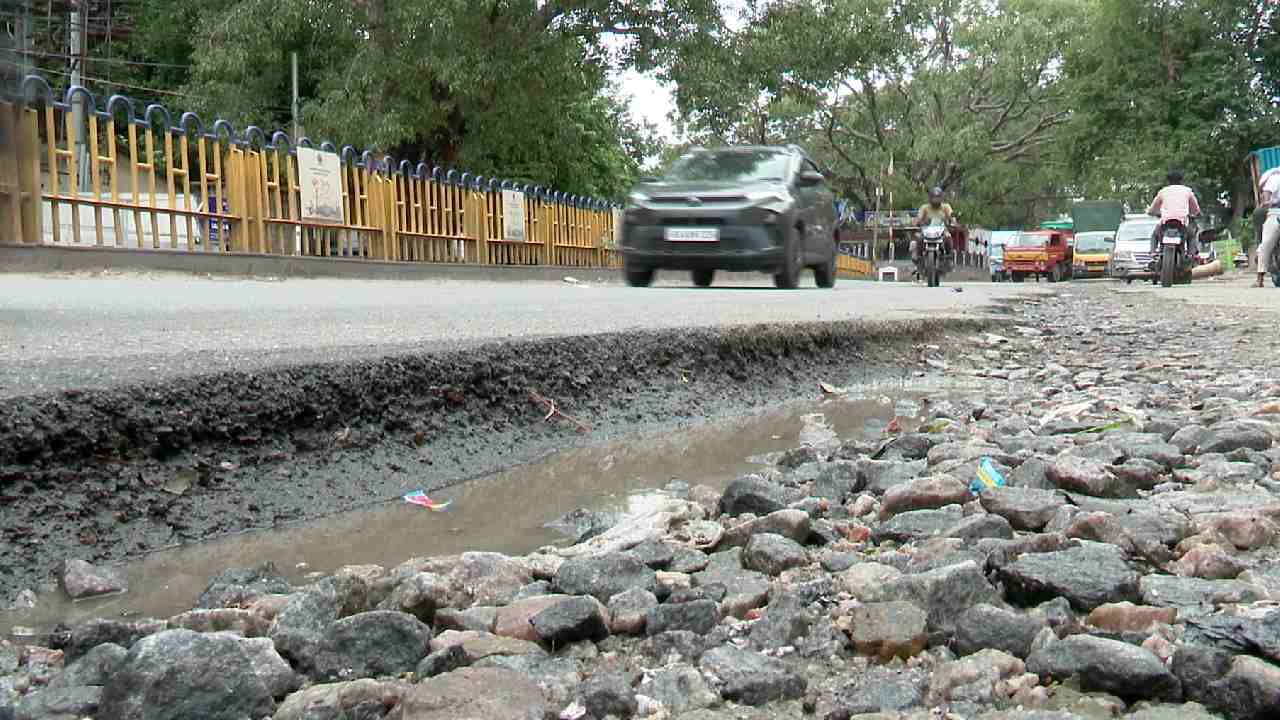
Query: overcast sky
[{"x": 652, "y": 100}]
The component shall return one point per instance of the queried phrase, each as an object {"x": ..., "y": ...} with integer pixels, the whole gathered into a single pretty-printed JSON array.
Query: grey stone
[
  {"x": 682, "y": 644},
  {"x": 945, "y": 593},
  {"x": 475, "y": 692},
  {"x": 918, "y": 525},
  {"x": 837, "y": 480},
  {"x": 1088, "y": 576},
  {"x": 1250, "y": 634},
  {"x": 419, "y": 595},
  {"x": 1194, "y": 595},
  {"x": 680, "y": 688},
  {"x": 753, "y": 494},
  {"x": 749, "y": 678},
  {"x": 93, "y": 668},
  {"x": 1226, "y": 437},
  {"x": 381, "y": 642},
  {"x": 887, "y": 630},
  {"x": 582, "y": 524},
  {"x": 988, "y": 627},
  {"x": 773, "y": 554},
  {"x": 1087, "y": 476},
  {"x": 68, "y": 701},
  {"x": 1189, "y": 438},
  {"x": 608, "y": 695},
  {"x": 1127, "y": 671},
  {"x": 184, "y": 675},
  {"x": 604, "y": 576},
  {"x": 655, "y": 553},
  {"x": 786, "y": 620},
  {"x": 790, "y": 523},
  {"x": 982, "y": 525},
  {"x": 441, "y": 661},
  {"x": 1250, "y": 690},
  {"x": 878, "y": 476},
  {"x": 557, "y": 676},
  {"x": 82, "y": 638},
  {"x": 697, "y": 616},
  {"x": 1025, "y": 508},
  {"x": 571, "y": 620},
  {"x": 301, "y": 626},
  {"x": 1164, "y": 454},
  {"x": 688, "y": 560},
  {"x": 628, "y": 611},
  {"x": 1033, "y": 474},
  {"x": 835, "y": 562},
  {"x": 239, "y": 586},
  {"x": 881, "y": 689},
  {"x": 488, "y": 579}
]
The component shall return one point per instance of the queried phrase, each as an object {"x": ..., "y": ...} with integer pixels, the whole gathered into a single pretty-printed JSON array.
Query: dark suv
[{"x": 764, "y": 209}]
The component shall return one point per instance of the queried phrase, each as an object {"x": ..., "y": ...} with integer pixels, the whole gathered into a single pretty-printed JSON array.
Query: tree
[
  {"x": 1191, "y": 84},
  {"x": 964, "y": 94},
  {"x": 506, "y": 88}
]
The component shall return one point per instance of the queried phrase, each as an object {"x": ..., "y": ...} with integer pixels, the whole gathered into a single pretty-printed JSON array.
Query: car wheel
[
  {"x": 789, "y": 277},
  {"x": 639, "y": 277},
  {"x": 703, "y": 278},
  {"x": 825, "y": 274}
]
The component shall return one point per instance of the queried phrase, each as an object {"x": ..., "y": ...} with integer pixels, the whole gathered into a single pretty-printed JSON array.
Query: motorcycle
[
  {"x": 1173, "y": 257},
  {"x": 933, "y": 238}
]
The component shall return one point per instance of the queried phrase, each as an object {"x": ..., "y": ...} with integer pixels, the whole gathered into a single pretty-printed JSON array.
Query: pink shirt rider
[{"x": 1175, "y": 202}]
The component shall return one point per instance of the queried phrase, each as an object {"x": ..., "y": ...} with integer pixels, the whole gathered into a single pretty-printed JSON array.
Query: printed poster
[
  {"x": 320, "y": 184},
  {"x": 513, "y": 216}
]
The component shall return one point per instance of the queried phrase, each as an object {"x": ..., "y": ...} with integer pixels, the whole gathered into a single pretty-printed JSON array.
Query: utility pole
[
  {"x": 76, "y": 53},
  {"x": 297, "y": 129}
]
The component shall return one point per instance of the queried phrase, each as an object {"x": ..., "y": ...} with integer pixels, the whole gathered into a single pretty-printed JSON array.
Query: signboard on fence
[
  {"x": 617, "y": 228},
  {"x": 320, "y": 184},
  {"x": 513, "y": 216}
]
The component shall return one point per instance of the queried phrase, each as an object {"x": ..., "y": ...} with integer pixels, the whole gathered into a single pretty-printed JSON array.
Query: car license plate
[
  {"x": 693, "y": 235},
  {"x": 1171, "y": 240}
]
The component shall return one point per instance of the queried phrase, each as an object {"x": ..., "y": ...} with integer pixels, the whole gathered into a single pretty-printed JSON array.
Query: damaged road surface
[{"x": 1125, "y": 563}]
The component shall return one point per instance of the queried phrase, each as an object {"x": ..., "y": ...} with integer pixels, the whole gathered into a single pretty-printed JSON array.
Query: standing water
[{"x": 505, "y": 512}]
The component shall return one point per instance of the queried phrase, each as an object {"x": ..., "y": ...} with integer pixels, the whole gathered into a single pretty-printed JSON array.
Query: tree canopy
[{"x": 1014, "y": 107}]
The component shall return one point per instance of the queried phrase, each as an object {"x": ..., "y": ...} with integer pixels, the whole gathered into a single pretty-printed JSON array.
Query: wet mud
[{"x": 109, "y": 475}]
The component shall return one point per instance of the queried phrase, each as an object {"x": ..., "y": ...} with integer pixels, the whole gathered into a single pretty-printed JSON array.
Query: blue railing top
[{"x": 35, "y": 89}]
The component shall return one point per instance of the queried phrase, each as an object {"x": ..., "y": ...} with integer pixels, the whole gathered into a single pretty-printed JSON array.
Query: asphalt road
[{"x": 77, "y": 331}]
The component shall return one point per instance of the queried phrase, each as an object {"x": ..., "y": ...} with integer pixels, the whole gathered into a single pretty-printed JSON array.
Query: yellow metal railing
[{"x": 147, "y": 183}]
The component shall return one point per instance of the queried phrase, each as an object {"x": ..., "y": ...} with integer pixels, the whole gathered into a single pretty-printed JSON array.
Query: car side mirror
[{"x": 810, "y": 178}]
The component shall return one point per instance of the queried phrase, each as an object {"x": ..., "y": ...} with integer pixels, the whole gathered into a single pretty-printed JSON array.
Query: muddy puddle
[{"x": 505, "y": 512}]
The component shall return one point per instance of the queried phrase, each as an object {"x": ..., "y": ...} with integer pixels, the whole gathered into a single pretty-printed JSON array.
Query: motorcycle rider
[
  {"x": 1175, "y": 201},
  {"x": 1269, "y": 185},
  {"x": 933, "y": 210}
]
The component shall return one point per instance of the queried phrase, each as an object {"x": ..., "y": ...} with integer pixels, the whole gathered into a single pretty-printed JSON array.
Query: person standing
[{"x": 1269, "y": 190}]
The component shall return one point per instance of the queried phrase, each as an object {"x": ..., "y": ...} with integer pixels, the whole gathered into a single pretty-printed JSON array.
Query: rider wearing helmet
[{"x": 933, "y": 210}]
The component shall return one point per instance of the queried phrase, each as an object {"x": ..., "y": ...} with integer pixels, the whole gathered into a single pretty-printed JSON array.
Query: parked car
[
  {"x": 749, "y": 208},
  {"x": 1131, "y": 258},
  {"x": 1092, "y": 254}
]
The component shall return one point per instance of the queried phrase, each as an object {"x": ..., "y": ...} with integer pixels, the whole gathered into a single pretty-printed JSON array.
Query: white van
[{"x": 1131, "y": 257}]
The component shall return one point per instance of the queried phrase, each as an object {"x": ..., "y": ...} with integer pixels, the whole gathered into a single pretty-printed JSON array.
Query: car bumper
[
  {"x": 739, "y": 248},
  {"x": 1086, "y": 271}
]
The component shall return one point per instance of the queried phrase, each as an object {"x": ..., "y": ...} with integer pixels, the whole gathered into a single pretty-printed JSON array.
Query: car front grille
[
  {"x": 691, "y": 221},
  {"x": 700, "y": 199}
]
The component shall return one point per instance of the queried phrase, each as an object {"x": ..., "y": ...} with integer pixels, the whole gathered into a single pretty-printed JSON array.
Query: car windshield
[
  {"x": 1030, "y": 240},
  {"x": 730, "y": 166},
  {"x": 1092, "y": 243},
  {"x": 1129, "y": 232}
]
